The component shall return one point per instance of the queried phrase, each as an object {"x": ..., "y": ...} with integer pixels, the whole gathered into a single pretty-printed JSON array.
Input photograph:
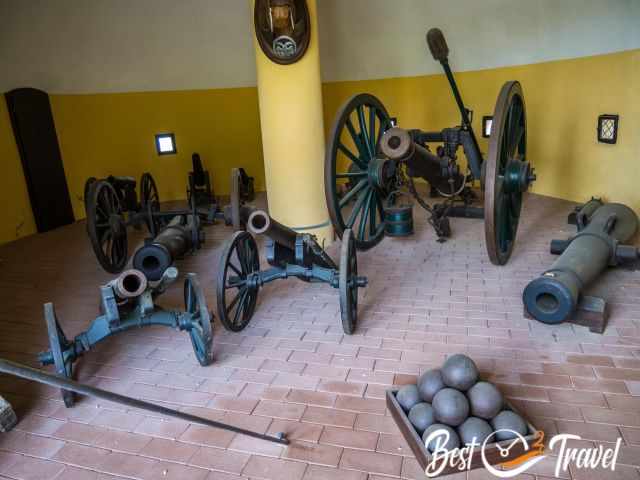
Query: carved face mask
[{"x": 282, "y": 27}]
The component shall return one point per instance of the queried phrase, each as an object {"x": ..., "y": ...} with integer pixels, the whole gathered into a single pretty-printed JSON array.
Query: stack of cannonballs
[{"x": 453, "y": 398}]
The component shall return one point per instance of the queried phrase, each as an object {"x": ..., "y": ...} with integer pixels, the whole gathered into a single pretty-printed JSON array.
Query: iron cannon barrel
[
  {"x": 553, "y": 297},
  {"x": 397, "y": 144},
  {"x": 173, "y": 241},
  {"x": 260, "y": 223}
]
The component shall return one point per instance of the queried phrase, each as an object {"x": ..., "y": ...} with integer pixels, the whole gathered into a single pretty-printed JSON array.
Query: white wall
[{"x": 85, "y": 46}]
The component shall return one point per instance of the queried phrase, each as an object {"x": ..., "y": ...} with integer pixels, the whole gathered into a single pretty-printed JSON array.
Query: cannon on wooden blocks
[
  {"x": 129, "y": 302},
  {"x": 290, "y": 254},
  {"x": 370, "y": 160},
  {"x": 556, "y": 296}
]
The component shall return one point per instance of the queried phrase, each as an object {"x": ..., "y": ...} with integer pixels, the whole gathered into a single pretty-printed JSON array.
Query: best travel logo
[{"x": 463, "y": 458}]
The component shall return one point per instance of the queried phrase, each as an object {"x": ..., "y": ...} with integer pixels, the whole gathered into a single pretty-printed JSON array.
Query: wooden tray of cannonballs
[{"x": 492, "y": 451}]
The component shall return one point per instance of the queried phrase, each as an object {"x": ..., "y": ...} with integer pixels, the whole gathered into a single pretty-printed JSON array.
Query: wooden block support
[
  {"x": 8, "y": 417},
  {"x": 592, "y": 312}
]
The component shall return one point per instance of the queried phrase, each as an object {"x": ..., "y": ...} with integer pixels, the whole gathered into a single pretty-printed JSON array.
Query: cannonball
[
  {"x": 421, "y": 416},
  {"x": 474, "y": 429},
  {"x": 441, "y": 442},
  {"x": 508, "y": 420},
  {"x": 459, "y": 372},
  {"x": 450, "y": 407},
  {"x": 430, "y": 383},
  {"x": 485, "y": 400},
  {"x": 408, "y": 396}
]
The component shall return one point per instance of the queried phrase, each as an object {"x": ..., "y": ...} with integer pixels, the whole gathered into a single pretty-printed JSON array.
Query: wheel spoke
[
  {"x": 356, "y": 209},
  {"x": 364, "y": 217},
  {"x": 351, "y": 175},
  {"x": 240, "y": 308},
  {"x": 372, "y": 128},
  {"x": 235, "y": 299},
  {"x": 235, "y": 269},
  {"x": 363, "y": 130},
  {"x": 188, "y": 297},
  {"x": 362, "y": 150},
  {"x": 373, "y": 201},
  {"x": 352, "y": 193}
]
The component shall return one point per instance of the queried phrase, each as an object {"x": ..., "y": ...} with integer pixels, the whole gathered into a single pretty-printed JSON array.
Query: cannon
[
  {"x": 181, "y": 236},
  {"x": 290, "y": 254},
  {"x": 602, "y": 231},
  {"x": 129, "y": 302},
  {"x": 370, "y": 161},
  {"x": 109, "y": 216}
]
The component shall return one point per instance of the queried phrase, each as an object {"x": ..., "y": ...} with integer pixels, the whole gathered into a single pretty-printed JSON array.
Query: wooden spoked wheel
[
  {"x": 150, "y": 202},
  {"x": 200, "y": 332},
  {"x": 236, "y": 293},
  {"x": 348, "y": 283},
  {"x": 356, "y": 174},
  {"x": 507, "y": 173},
  {"x": 106, "y": 226}
]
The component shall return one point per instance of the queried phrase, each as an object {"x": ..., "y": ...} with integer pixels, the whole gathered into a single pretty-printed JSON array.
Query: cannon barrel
[
  {"x": 553, "y": 297},
  {"x": 173, "y": 241},
  {"x": 397, "y": 144},
  {"x": 129, "y": 284},
  {"x": 260, "y": 223}
]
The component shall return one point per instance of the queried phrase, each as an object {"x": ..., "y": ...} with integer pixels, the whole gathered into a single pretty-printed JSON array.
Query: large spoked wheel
[
  {"x": 106, "y": 227},
  {"x": 200, "y": 332},
  {"x": 357, "y": 176},
  {"x": 87, "y": 190},
  {"x": 59, "y": 344},
  {"x": 150, "y": 202},
  {"x": 236, "y": 293},
  {"x": 507, "y": 174},
  {"x": 348, "y": 283}
]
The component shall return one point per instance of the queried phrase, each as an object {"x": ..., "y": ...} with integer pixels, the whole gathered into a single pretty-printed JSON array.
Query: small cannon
[
  {"x": 290, "y": 254},
  {"x": 370, "y": 161},
  {"x": 603, "y": 230},
  {"x": 199, "y": 186},
  {"x": 181, "y": 236},
  {"x": 126, "y": 303}
]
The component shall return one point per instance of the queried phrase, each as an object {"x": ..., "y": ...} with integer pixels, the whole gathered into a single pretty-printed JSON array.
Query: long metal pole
[{"x": 23, "y": 371}]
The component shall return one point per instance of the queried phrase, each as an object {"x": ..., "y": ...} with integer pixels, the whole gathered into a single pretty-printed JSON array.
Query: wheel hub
[
  {"x": 116, "y": 225},
  {"x": 381, "y": 172},
  {"x": 518, "y": 176}
]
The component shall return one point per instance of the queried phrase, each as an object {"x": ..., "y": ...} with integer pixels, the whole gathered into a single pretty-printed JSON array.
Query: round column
[{"x": 293, "y": 142}]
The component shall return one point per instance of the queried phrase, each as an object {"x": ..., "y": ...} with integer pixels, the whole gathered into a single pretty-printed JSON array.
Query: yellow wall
[
  {"x": 563, "y": 98},
  {"x": 17, "y": 218},
  {"x": 115, "y": 133}
]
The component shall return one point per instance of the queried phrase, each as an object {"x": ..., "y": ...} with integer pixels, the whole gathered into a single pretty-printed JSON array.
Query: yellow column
[{"x": 293, "y": 138}]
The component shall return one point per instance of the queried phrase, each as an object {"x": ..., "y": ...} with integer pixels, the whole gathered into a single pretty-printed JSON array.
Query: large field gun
[
  {"x": 290, "y": 254},
  {"x": 129, "y": 302},
  {"x": 370, "y": 161},
  {"x": 603, "y": 231}
]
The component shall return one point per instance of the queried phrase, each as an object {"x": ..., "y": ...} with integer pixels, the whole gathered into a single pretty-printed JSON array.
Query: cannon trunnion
[
  {"x": 290, "y": 254},
  {"x": 370, "y": 160}
]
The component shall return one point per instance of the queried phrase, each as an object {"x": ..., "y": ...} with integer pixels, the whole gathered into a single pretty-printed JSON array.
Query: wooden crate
[{"x": 424, "y": 457}]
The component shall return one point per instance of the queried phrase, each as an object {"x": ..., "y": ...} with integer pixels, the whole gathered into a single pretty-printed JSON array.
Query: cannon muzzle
[
  {"x": 260, "y": 223},
  {"x": 602, "y": 229},
  {"x": 437, "y": 45},
  {"x": 129, "y": 284},
  {"x": 173, "y": 241}
]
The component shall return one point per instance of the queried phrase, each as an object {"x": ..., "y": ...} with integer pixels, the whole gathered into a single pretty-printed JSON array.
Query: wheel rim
[
  {"x": 150, "y": 202},
  {"x": 59, "y": 343},
  {"x": 348, "y": 283},
  {"x": 106, "y": 227},
  {"x": 236, "y": 291},
  {"x": 87, "y": 190},
  {"x": 507, "y": 175},
  {"x": 200, "y": 333},
  {"x": 354, "y": 187}
]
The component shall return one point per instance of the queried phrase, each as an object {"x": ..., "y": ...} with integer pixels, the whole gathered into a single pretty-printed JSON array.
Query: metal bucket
[{"x": 398, "y": 219}]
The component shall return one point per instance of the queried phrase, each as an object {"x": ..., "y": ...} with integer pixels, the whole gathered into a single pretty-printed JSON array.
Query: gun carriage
[
  {"x": 290, "y": 254},
  {"x": 126, "y": 303},
  {"x": 371, "y": 162}
]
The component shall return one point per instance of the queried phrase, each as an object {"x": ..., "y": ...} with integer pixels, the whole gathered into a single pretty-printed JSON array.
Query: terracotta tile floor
[{"x": 293, "y": 370}]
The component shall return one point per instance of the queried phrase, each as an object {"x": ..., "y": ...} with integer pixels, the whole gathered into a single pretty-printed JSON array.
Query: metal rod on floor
[{"x": 23, "y": 371}]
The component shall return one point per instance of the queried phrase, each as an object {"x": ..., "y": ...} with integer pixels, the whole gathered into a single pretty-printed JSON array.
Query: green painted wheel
[
  {"x": 200, "y": 332},
  {"x": 150, "y": 203},
  {"x": 59, "y": 345},
  {"x": 507, "y": 173},
  {"x": 356, "y": 174},
  {"x": 348, "y": 283}
]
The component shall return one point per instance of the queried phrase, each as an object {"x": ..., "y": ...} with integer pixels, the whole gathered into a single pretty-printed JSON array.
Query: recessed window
[
  {"x": 608, "y": 128},
  {"x": 486, "y": 126},
  {"x": 166, "y": 143}
]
